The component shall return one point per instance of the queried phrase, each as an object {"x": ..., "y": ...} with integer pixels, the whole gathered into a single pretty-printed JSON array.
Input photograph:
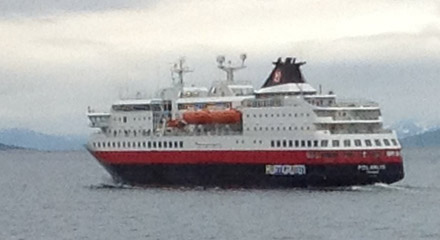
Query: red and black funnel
[{"x": 285, "y": 72}]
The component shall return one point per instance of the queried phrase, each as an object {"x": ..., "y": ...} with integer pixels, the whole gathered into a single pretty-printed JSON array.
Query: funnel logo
[{"x": 277, "y": 76}]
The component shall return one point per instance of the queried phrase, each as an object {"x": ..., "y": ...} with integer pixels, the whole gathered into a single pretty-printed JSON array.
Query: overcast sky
[{"x": 59, "y": 56}]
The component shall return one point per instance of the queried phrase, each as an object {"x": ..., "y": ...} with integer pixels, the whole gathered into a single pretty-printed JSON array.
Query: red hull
[
  {"x": 249, "y": 157},
  {"x": 252, "y": 168}
]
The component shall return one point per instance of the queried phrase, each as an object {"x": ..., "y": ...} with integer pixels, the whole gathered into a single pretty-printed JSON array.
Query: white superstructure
[{"x": 286, "y": 113}]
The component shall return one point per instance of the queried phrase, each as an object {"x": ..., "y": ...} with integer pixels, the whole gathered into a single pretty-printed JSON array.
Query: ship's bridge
[
  {"x": 98, "y": 119},
  {"x": 137, "y": 105}
]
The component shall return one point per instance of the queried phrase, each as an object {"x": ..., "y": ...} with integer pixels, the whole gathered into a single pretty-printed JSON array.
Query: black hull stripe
[{"x": 253, "y": 175}]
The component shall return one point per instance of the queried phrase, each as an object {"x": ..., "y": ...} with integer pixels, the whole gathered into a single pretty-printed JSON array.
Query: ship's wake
[
  {"x": 385, "y": 187},
  {"x": 111, "y": 186}
]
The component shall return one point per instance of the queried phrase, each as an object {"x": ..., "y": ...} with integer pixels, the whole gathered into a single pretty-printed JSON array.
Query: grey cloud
[
  {"x": 73, "y": 43},
  {"x": 38, "y": 8}
]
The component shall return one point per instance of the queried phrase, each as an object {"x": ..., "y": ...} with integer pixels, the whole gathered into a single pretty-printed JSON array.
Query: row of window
[
  {"x": 278, "y": 115},
  {"x": 149, "y": 144},
  {"x": 124, "y": 119},
  {"x": 127, "y": 132},
  {"x": 334, "y": 143},
  {"x": 290, "y": 128}
]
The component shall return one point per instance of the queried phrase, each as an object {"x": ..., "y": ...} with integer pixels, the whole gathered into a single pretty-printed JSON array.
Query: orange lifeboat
[
  {"x": 197, "y": 117},
  {"x": 230, "y": 116}
]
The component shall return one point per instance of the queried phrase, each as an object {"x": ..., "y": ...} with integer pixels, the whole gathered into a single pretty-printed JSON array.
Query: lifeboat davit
[
  {"x": 230, "y": 116},
  {"x": 176, "y": 123}
]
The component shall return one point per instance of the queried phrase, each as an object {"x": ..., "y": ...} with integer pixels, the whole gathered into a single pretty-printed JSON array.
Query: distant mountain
[
  {"x": 30, "y": 139},
  {"x": 406, "y": 128},
  {"x": 426, "y": 139},
  {"x": 7, "y": 147}
]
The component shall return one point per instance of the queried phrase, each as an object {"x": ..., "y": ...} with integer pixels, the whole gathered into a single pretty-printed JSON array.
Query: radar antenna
[
  {"x": 230, "y": 69},
  {"x": 179, "y": 69}
]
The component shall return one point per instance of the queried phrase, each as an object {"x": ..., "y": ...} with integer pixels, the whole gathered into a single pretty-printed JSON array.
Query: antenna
[
  {"x": 230, "y": 69},
  {"x": 179, "y": 69}
]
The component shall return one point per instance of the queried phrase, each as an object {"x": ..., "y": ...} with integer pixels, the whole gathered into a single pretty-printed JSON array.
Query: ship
[{"x": 285, "y": 134}]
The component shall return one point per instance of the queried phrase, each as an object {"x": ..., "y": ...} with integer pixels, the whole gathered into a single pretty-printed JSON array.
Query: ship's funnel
[{"x": 285, "y": 72}]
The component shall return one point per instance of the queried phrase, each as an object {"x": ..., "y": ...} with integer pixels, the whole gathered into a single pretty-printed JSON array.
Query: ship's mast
[
  {"x": 230, "y": 69},
  {"x": 179, "y": 69}
]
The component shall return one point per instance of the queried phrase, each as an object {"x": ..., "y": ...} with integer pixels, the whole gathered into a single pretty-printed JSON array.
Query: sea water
[{"x": 68, "y": 195}]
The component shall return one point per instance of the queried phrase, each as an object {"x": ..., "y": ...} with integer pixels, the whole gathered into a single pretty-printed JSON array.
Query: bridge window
[
  {"x": 181, "y": 144},
  {"x": 335, "y": 143},
  {"x": 377, "y": 142},
  {"x": 357, "y": 142},
  {"x": 278, "y": 143},
  {"x": 315, "y": 143},
  {"x": 290, "y": 143},
  {"x": 394, "y": 141},
  {"x": 154, "y": 145},
  {"x": 272, "y": 143},
  {"x": 324, "y": 143},
  {"x": 296, "y": 143},
  {"x": 368, "y": 143},
  {"x": 284, "y": 143},
  {"x": 347, "y": 143},
  {"x": 309, "y": 143},
  {"x": 303, "y": 143},
  {"x": 386, "y": 142}
]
